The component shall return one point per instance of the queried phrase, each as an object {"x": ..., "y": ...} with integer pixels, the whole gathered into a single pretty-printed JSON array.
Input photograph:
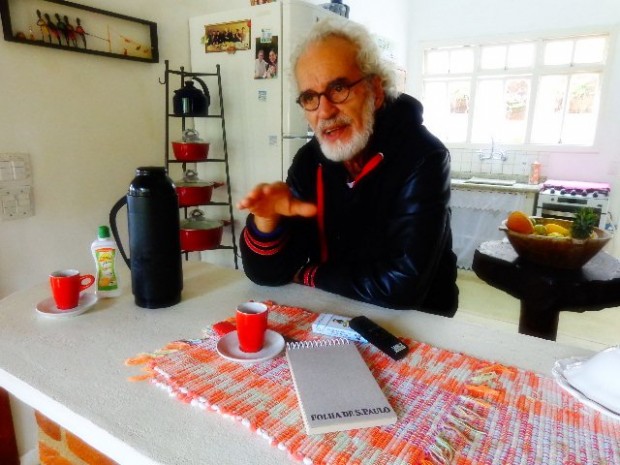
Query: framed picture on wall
[
  {"x": 69, "y": 26},
  {"x": 228, "y": 37}
]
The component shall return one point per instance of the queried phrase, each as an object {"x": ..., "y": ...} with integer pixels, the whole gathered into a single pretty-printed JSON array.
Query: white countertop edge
[{"x": 98, "y": 438}]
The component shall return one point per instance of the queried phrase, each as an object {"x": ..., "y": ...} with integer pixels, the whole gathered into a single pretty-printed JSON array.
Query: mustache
[{"x": 338, "y": 120}]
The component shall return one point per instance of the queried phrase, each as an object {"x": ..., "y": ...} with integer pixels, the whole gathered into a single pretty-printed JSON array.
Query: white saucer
[
  {"x": 228, "y": 347},
  {"x": 49, "y": 309}
]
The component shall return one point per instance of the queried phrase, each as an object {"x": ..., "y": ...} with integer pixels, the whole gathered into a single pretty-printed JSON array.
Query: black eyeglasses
[{"x": 337, "y": 92}]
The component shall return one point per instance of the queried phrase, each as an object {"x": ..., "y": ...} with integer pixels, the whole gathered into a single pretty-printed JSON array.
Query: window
[{"x": 543, "y": 91}]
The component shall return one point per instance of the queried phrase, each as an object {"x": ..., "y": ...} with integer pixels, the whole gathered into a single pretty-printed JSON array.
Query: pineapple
[{"x": 583, "y": 224}]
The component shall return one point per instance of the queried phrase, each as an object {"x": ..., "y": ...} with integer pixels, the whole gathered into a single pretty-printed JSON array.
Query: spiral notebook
[{"x": 335, "y": 388}]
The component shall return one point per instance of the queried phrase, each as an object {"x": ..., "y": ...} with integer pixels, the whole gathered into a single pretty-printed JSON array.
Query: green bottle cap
[{"x": 103, "y": 232}]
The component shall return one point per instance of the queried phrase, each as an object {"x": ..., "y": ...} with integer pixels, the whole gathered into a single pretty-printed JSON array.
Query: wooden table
[
  {"x": 72, "y": 370},
  {"x": 545, "y": 292}
]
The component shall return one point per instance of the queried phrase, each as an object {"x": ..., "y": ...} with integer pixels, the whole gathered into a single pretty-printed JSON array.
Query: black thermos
[{"x": 154, "y": 241}]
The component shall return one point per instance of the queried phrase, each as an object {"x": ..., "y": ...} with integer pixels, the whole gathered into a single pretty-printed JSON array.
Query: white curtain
[{"x": 476, "y": 217}]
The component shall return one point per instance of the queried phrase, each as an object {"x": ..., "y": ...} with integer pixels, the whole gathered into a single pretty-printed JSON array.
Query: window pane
[
  {"x": 437, "y": 61},
  {"x": 590, "y": 50},
  {"x": 459, "y": 110},
  {"x": 488, "y": 111},
  {"x": 446, "y": 107},
  {"x": 462, "y": 61},
  {"x": 459, "y": 96},
  {"x": 582, "y": 92},
  {"x": 549, "y": 109},
  {"x": 516, "y": 96},
  {"x": 580, "y": 119},
  {"x": 558, "y": 52},
  {"x": 521, "y": 55},
  {"x": 501, "y": 111},
  {"x": 493, "y": 57},
  {"x": 436, "y": 107}
]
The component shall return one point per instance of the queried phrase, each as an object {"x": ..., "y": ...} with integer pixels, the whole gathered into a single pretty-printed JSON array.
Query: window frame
[{"x": 535, "y": 73}]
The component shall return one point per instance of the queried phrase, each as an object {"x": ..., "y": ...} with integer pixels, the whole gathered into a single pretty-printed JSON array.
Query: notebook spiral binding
[{"x": 317, "y": 343}]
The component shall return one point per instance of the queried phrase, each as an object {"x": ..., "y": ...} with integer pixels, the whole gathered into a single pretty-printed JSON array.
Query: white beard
[{"x": 343, "y": 151}]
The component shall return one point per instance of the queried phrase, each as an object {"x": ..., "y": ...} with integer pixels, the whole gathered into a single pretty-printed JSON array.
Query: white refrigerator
[{"x": 264, "y": 125}]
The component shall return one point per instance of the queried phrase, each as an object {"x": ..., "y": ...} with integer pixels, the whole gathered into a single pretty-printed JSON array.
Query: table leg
[
  {"x": 8, "y": 443},
  {"x": 539, "y": 320}
]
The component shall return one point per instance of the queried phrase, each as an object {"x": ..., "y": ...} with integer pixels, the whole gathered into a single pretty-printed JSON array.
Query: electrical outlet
[{"x": 16, "y": 199}]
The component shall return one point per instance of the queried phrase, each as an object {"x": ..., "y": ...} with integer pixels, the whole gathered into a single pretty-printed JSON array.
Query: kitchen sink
[{"x": 491, "y": 181}]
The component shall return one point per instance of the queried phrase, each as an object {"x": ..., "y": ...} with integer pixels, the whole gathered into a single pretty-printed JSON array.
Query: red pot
[
  {"x": 198, "y": 233},
  {"x": 190, "y": 151},
  {"x": 195, "y": 192}
]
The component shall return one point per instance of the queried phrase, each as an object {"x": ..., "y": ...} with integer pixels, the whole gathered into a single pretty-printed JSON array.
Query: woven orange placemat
[{"x": 452, "y": 408}]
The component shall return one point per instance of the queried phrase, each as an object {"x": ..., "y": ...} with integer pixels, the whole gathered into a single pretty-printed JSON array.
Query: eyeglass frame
[{"x": 330, "y": 86}]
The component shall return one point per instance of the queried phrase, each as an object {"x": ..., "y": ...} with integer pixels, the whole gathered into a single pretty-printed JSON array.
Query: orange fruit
[{"x": 519, "y": 222}]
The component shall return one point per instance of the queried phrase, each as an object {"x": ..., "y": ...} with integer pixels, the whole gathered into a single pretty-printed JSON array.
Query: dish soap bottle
[
  {"x": 535, "y": 173},
  {"x": 104, "y": 252}
]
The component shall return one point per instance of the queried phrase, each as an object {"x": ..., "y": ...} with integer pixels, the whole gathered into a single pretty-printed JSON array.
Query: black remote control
[{"x": 379, "y": 337}]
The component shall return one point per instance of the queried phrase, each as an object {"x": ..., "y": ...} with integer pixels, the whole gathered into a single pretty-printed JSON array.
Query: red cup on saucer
[
  {"x": 66, "y": 287},
  {"x": 251, "y": 325}
]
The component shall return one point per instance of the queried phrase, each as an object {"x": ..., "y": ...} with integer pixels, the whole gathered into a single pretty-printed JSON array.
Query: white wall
[
  {"x": 87, "y": 123},
  {"x": 446, "y": 20}
]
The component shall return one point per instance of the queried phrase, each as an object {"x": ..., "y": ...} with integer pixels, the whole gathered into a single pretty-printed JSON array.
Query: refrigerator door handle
[{"x": 309, "y": 135}]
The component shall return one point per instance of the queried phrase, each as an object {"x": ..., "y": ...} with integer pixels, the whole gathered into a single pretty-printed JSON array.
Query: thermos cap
[
  {"x": 146, "y": 170},
  {"x": 151, "y": 181}
]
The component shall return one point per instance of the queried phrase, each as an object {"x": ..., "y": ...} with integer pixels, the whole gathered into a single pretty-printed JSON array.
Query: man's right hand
[{"x": 268, "y": 202}]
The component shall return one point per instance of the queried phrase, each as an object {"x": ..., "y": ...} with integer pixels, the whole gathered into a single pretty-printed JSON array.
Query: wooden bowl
[{"x": 556, "y": 252}]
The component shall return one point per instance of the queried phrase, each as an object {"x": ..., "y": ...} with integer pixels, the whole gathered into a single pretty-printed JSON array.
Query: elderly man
[{"x": 364, "y": 211}]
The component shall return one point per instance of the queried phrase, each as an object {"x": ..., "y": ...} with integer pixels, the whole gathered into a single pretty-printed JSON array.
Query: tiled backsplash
[{"x": 501, "y": 164}]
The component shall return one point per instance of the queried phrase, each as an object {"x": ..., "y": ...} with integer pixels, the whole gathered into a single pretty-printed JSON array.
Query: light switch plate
[
  {"x": 16, "y": 199},
  {"x": 16, "y": 202}
]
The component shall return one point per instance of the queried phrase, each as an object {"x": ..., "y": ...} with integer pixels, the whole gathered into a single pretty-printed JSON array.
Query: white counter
[{"x": 72, "y": 369}]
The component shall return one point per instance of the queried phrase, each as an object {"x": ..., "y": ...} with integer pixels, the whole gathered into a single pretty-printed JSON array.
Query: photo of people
[
  {"x": 226, "y": 37},
  {"x": 266, "y": 58}
]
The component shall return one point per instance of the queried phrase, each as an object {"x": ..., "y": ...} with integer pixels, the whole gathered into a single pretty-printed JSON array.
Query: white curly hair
[{"x": 368, "y": 54}]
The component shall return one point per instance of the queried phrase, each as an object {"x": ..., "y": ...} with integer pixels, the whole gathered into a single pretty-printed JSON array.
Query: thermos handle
[{"x": 117, "y": 206}]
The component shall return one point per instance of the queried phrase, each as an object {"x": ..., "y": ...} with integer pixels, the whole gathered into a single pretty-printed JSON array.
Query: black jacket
[{"x": 387, "y": 239}]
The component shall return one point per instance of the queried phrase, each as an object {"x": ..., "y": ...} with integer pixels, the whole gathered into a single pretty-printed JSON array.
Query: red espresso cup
[
  {"x": 66, "y": 287},
  {"x": 251, "y": 325}
]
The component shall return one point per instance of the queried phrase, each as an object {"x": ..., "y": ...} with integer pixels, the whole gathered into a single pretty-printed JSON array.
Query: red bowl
[
  {"x": 195, "y": 193},
  {"x": 201, "y": 235},
  {"x": 190, "y": 151}
]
